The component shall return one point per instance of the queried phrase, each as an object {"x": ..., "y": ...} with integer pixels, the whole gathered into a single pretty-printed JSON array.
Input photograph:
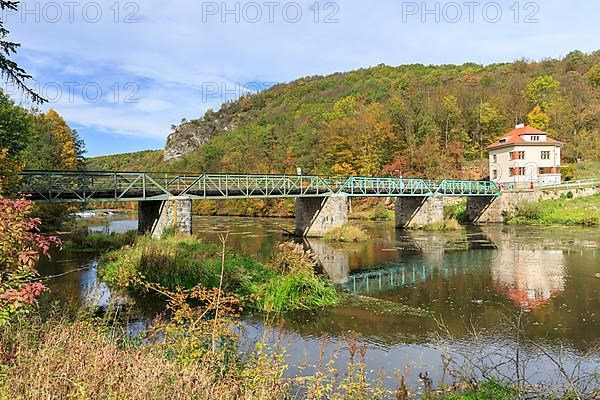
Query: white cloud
[{"x": 171, "y": 54}]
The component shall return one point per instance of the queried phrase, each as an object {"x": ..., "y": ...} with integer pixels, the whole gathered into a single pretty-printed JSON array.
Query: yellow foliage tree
[
  {"x": 342, "y": 170},
  {"x": 538, "y": 119},
  {"x": 63, "y": 135}
]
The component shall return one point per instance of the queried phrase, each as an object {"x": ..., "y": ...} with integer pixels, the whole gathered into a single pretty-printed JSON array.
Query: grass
[
  {"x": 288, "y": 283},
  {"x": 446, "y": 225},
  {"x": 347, "y": 233},
  {"x": 87, "y": 358},
  {"x": 490, "y": 389},
  {"x": 577, "y": 211},
  {"x": 84, "y": 241},
  {"x": 296, "y": 292}
]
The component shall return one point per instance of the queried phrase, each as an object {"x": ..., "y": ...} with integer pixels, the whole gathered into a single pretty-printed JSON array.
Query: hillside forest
[{"x": 414, "y": 120}]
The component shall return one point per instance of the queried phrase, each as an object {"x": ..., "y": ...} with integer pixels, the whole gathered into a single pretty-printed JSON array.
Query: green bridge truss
[{"x": 86, "y": 186}]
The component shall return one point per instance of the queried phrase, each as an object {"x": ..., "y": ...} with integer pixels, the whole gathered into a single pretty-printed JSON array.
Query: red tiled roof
[{"x": 516, "y": 137}]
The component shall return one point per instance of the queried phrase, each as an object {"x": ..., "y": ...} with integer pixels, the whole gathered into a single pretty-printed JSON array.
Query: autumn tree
[
  {"x": 538, "y": 119},
  {"x": 542, "y": 92}
]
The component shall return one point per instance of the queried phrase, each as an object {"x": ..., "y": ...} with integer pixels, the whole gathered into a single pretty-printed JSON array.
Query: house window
[
  {"x": 521, "y": 155},
  {"x": 544, "y": 171},
  {"x": 494, "y": 174},
  {"x": 545, "y": 155},
  {"x": 511, "y": 172},
  {"x": 535, "y": 138},
  {"x": 495, "y": 158},
  {"x": 522, "y": 171}
]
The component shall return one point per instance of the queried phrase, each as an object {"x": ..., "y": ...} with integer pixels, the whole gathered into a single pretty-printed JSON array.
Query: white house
[{"x": 525, "y": 156}]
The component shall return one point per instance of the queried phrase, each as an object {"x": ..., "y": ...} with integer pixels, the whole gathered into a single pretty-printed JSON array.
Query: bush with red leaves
[{"x": 21, "y": 246}]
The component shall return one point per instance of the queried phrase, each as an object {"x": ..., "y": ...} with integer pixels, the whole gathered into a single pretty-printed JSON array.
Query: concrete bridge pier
[
  {"x": 416, "y": 212},
  {"x": 315, "y": 216},
  {"x": 485, "y": 209},
  {"x": 154, "y": 216}
]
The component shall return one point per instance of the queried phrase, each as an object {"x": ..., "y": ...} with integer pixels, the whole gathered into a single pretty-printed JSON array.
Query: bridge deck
[{"x": 85, "y": 186}]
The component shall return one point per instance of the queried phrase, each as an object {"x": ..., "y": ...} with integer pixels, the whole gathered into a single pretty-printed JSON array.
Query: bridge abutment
[
  {"x": 154, "y": 216},
  {"x": 416, "y": 212},
  {"x": 315, "y": 216}
]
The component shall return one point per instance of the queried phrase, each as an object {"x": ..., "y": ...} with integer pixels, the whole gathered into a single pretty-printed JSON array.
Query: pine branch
[{"x": 9, "y": 69}]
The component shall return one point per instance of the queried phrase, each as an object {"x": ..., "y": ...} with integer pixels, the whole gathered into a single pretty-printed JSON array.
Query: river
[{"x": 476, "y": 283}]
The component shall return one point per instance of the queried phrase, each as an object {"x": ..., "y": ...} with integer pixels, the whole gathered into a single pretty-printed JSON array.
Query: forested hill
[{"x": 428, "y": 121}]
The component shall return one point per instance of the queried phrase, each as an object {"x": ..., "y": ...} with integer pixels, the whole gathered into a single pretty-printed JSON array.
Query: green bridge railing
[{"x": 86, "y": 186}]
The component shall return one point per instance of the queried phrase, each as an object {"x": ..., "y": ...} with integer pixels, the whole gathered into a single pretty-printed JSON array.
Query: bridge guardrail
[{"x": 576, "y": 184}]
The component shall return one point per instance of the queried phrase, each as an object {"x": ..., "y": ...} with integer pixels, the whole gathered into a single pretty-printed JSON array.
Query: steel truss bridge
[{"x": 87, "y": 186}]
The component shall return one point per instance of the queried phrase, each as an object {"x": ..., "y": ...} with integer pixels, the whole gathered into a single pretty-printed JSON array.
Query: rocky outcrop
[
  {"x": 191, "y": 135},
  {"x": 186, "y": 138}
]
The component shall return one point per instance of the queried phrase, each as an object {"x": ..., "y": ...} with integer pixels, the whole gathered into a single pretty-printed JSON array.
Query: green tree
[{"x": 15, "y": 127}]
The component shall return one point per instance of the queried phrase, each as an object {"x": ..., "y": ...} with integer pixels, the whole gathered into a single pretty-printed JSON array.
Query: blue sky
[{"x": 122, "y": 72}]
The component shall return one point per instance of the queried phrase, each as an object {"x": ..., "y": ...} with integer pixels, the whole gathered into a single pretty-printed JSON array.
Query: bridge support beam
[
  {"x": 315, "y": 216},
  {"x": 416, "y": 212},
  {"x": 154, "y": 216}
]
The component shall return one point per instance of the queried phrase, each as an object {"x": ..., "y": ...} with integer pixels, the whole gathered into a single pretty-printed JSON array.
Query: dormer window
[
  {"x": 535, "y": 138},
  {"x": 502, "y": 141}
]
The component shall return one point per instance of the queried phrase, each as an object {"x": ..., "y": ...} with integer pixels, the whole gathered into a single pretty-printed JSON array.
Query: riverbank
[
  {"x": 53, "y": 354},
  {"x": 568, "y": 211},
  {"x": 382, "y": 327}
]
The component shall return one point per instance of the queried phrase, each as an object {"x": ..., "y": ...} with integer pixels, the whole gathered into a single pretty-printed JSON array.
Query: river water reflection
[{"x": 479, "y": 277}]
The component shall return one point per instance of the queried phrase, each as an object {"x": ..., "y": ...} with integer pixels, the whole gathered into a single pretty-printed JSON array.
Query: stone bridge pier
[
  {"x": 486, "y": 209},
  {"x": 416, "y": 212},
  {"x": 154, "y": 216},
  {"x": 315, "y": 216}
]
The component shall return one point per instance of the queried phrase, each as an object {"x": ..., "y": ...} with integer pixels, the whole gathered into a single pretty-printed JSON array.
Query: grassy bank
[
  {"x": 578, "y": 211},
  {"x": 287, "y": 283},
  {"x": 51, "y": 355},
  {"x": 83, "y": 241}
]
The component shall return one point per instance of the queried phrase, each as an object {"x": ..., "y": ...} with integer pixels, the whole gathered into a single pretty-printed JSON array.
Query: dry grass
[{"x": 58, "y": 359}]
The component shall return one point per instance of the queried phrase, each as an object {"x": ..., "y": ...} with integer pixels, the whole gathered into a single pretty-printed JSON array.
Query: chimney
[{"x": 519, "y": 126}]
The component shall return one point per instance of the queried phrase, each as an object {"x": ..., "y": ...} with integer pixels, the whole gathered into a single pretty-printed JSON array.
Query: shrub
[
  {"x": 456, "y": 211},
  {"x": 21, "y": 246},
  {"x": 379, "y": 213},
  {"x": 529, "y": 211},
  {"x": 570, "y": 195}
]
